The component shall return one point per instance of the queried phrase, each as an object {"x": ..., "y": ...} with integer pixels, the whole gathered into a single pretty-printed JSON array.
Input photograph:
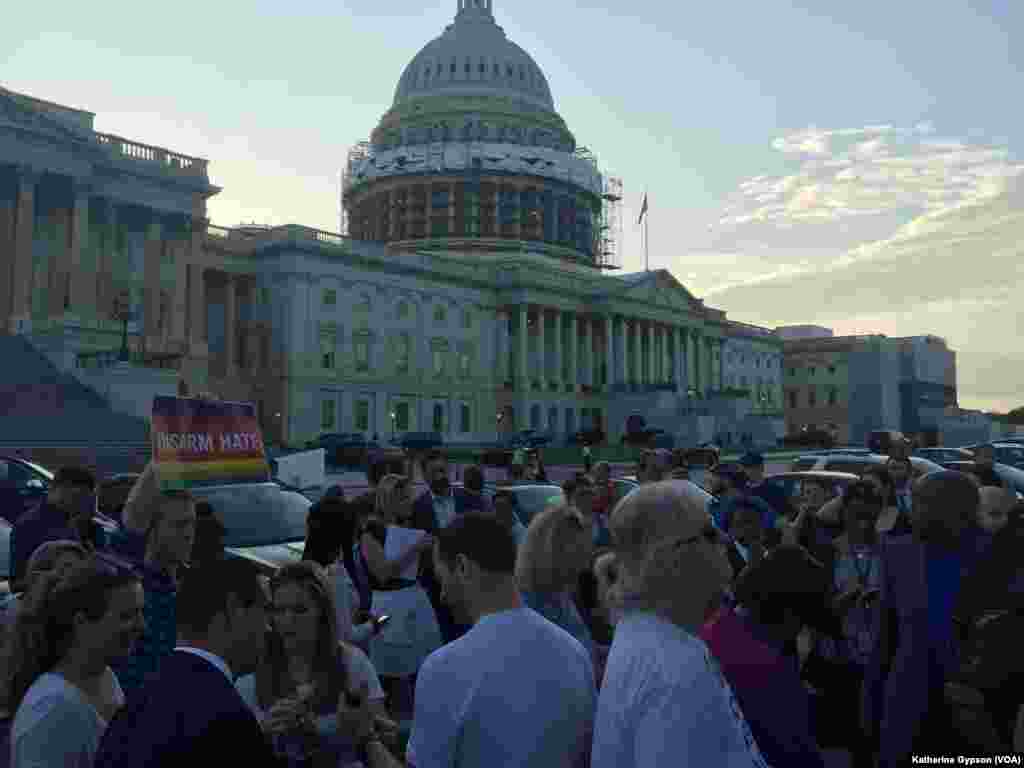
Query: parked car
[
  {"x": 595, "y": 436},
  {"x": 1010, "y": 454},
  {"x": 944, "y": 456},
  {"x": 22, "y": 486},
  {"x": 266, "y": 525},
  {"x": 531, "y": 498},
  {"x": 419, "y": 441},
  {"x": 809, "y": 438},
  {"x": 794, "y": 483},
  {"x": 344, "y": 449},
  {"x": 857, "y": 464}
]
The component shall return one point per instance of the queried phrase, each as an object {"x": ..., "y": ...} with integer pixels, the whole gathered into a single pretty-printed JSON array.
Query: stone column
[
  {"x": 679, "y": 353},
  {"x": 230, "y": 325},
  {"x": 574, "y": 368},
  {"x": 651, "y": 355},
  {"x": 24, "y": 234},
  {"x": 151, "y": 279},
  {"x": 691, "y": 360},
  {"x": 585, "y": 351},
  {"x": 179, "y": 313},
  {"x": 7, "y": 209},
  {"x": 634, "y": 332},
  {"x": 667, "y": 356},
  {"x": 501, "y": 347},
  {"x": 609, "y": 354},
  {"x": 83, "y": 289},
  {"x": 559, "y": 358},
  {"x": 709, "y": 377},
  {"x": 105, "y": 260},
  {"x": 624, "y": 356},
  {"x": 197, "y": 293},
  {"x": 542, "y": 348},
  {"x": 524, "y": 348},
  {"x": 59, "y": 279}
]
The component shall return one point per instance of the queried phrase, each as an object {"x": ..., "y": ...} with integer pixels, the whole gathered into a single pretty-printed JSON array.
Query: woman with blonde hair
[
  {"x": 306, "y": 670},
  {"x": 555, "y": 552},
  {"x": 412, "y": 632}
]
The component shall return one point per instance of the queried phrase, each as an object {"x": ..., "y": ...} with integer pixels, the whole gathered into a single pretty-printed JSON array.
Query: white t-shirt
[
  {"x": 56, "y": 725},
  {"x": 360, "y": 670},
  {"x": 664, "y": 702},
  {"x": 515, "y": 690}
]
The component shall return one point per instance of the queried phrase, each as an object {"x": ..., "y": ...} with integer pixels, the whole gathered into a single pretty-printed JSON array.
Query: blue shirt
[
  {"x": 513, "y": 691},
  {"x": 559, "y": 609}
]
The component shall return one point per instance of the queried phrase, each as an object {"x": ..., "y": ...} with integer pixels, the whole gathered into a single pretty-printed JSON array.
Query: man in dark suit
[
  {"x": 433, "y": 510},
  {"x": 190, "y": 711},
  {"x": 470, "y": 497}
]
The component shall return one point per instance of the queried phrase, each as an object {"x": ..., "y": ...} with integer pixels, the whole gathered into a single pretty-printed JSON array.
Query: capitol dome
[{"x": 473, "y": 57}]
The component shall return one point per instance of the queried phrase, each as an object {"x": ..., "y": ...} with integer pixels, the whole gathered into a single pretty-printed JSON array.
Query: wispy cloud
[{"x": 898, "y": 231}]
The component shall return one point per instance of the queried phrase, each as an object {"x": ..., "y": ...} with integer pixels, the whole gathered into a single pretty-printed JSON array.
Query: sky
[{"x": 853, "y": 165}]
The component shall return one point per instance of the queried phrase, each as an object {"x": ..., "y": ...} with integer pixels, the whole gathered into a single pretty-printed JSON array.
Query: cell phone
[{"x": 380, "y": 621}]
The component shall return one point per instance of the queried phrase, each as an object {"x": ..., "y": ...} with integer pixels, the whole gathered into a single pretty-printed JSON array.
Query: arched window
[
  {"x": 453, "y": 65},
  {"x": 468, "y": 66},
  {"x": 553, "y": 419},
  {"x": 483, "y": 66},
  {"x": 438, "y": 420}
]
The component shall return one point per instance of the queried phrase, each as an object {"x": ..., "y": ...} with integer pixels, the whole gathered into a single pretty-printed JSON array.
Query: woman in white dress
[{"x": 57, "y": 677}]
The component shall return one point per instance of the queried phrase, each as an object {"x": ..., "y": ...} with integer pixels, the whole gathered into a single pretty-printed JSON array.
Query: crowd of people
[{"x": 441, "y": 630}]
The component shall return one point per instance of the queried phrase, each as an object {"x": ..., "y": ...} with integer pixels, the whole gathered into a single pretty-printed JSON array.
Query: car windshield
[{"x": 258, "y": 515}]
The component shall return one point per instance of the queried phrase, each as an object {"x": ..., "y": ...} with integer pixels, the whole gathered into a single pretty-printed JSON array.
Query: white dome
[{"x": 473, "y": 57}]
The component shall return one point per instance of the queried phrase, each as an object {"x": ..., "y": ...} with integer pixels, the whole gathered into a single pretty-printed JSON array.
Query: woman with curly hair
[{"x": 57, "y": 677}]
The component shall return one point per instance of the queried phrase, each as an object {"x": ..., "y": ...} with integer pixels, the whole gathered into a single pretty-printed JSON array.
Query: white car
[{"x": 857, "y": 464}]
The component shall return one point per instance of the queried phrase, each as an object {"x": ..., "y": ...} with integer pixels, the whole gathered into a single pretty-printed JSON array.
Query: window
[
  {"x": 438, "y": 361},
  {"x": 810, "y": 371},
  {"x": 833, "y": 396},
  {"x": 465, "y": 424},
  {"x": 467, "y": 319},
  {"x": 362, "y": 306},
  {"x": 553, "y": 419},
  {"x": 534, "y": 416},
  {"x": 403, "y": 310},
  {"x": 401, "y": 417},
  {"x": 757, "y": 362},
  {"x": 792, "y": 399},
  {"x": 464, "y": 365},
  {"x": 438, "y": 420},
  {"x": 402, "y": 353},
  {"x": 328, "y": 415},
  {"x": 362, "y": 416},
  {"x": 439, "y": 315},
  {"x": 362, "y": 350},
  {"x": 330, "y": 297},
  {"x": 743, "y": 381},
  {"x": 326, "y": 357},
  {"x": 792, "y": 371},
  {"x": 812, "y": 397},
  {"x": 831, "y": 369}
]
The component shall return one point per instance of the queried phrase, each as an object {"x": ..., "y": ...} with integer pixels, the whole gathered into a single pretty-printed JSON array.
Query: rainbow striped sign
[{"x": 206, "y": 442}]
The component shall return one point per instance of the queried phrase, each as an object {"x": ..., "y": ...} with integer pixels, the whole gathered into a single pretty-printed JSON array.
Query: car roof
[{"x": 823, "y": 474}]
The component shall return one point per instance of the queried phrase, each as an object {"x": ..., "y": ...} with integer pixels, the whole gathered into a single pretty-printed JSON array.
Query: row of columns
[
  {"x": 79, "y": 291},
  {"x": 602, "y": 351}
]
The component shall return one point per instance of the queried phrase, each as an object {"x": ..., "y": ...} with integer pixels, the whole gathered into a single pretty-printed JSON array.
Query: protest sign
[{"x": 206, "y": 442}]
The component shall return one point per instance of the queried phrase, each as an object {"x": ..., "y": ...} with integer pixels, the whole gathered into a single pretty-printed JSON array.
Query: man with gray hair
[{"x": 664, "y": 701}]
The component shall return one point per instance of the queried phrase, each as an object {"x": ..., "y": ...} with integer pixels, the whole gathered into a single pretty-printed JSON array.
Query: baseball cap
[{"x": 751, "y": 460}]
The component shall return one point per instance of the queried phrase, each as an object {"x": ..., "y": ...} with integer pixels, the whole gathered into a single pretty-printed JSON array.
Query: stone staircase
[{"x": 49, "y": 416}]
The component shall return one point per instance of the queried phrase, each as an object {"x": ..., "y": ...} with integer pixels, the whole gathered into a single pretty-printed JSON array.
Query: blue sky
[{"x": 856, "y": 165}]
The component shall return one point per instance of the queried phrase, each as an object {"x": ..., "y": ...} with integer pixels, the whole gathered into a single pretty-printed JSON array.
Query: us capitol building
[{"x": 472, "y": 291}]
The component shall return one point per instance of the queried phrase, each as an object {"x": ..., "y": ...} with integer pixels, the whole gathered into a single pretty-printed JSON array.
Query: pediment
[
  {"x": 661, "y": 289},
  {"x": 16, "y": 113}
]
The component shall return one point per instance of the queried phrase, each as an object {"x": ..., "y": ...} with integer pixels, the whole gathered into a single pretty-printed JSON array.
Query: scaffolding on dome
[
  {"x": 610, "y": 226},
  {"x": 348, "y": 178}
]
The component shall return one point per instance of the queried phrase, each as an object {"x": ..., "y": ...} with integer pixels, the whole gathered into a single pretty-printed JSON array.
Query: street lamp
[
  {"x": 122, "y": 312},
  {"x": 393, "y": 417}
]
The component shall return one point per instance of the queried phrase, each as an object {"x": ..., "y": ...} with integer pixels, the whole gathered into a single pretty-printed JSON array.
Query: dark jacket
[
  {"x": 468, "y": 501},
  {"x": 38, "y": 525},
  {"x": 186, "y": 716},
  {"x": 424, "y": 518}
]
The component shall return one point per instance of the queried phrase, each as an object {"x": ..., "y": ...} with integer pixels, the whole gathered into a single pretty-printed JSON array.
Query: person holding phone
[{"x": 306, "y": 676}]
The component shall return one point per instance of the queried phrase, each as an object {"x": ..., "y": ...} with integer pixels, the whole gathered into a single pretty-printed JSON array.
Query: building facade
[
  {"x": 853, "y": 385},
  {"x": 752, "y": 362},
  {"x": 471, "y": 294}
]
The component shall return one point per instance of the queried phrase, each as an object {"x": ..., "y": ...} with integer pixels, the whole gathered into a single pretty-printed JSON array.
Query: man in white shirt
[
  {"x": 515, "y": 690},
  {"x": 664, "y": 701}
]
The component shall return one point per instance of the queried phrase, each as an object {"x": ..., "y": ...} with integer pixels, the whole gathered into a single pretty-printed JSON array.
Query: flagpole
[{"x": 647, "y": 260}]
